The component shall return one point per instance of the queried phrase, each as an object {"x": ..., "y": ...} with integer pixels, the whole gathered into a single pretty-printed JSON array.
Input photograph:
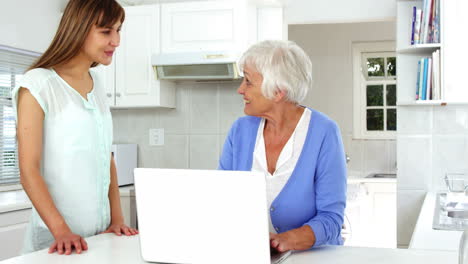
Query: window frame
[
  {"x": 359, "y": 89},
  {"x": 10, "y": 51}
]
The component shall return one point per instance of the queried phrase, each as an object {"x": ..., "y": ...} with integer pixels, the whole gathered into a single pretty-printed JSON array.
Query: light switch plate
[{"x": 156, "y": 137}]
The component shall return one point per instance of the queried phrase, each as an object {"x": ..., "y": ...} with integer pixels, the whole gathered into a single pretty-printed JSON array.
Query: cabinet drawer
[
  {"x": 14, "y": 235},
  {"x": 14, "y": 217}
]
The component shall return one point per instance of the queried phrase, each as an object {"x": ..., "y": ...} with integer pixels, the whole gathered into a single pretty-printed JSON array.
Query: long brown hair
[{"x": 77, "y": 20}]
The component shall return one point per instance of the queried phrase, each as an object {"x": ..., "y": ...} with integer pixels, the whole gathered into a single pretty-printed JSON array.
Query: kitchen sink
[
  {"x": 382, "y": 175},
  {"x": 451, "y": 211}
]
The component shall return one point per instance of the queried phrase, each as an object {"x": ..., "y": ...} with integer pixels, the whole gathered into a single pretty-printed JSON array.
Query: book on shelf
[
  {"x": 436, "y": 75},
  {"x": 418, "y": 80},
  {"x": 424, "y": 80},
  {"x": 417, "y": 26},
  {"x": 412, "y": 25},
  {"x": 425, "y": 24},
  {"x": 428, "y": 78}
]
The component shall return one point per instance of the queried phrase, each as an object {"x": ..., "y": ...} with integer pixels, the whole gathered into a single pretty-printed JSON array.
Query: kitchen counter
[
  {"x": 424, "y": 237},
  {"x": 108, "y": 248},
  {"x": 13, "y": 201}
]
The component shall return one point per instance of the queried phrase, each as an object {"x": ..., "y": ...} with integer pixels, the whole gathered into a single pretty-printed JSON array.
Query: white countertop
[
  {"x": 18, "y": 200},
  {"x": 108, "y": 248},
  {"x": 352, "y": 180},
  {"x": 424, "y": 237},
  {"x": 13, "y": 201}
]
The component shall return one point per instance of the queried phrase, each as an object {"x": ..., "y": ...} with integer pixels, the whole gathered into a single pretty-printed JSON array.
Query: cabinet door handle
[
  {"x": 117, "y": 94},
  {"x": 109, "y": 95}
]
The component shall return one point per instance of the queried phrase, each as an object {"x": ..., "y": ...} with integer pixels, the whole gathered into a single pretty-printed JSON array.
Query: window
[
  {"x": 13, "y": 63},
  {"x": 375, "y": 91}
]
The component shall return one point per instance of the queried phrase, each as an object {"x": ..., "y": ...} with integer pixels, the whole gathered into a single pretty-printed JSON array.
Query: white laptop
[{"x": 202, "y": 216}]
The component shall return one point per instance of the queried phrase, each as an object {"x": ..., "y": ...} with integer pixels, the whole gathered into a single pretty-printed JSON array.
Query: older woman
[{"x": 298, "y": 149}]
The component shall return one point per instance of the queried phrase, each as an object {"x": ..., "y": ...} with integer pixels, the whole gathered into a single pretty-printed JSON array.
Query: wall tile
[
  {"x": 204, "y": 109},
  {"x": 354, "y": 148},
  {"x": 414, "y": 162},
  {"x": 414, "y": 120},
  {"x": 231, "y": 105},
  {"x": 451, "y": 120},
  {"x": 148, "y": 156},
  {"x": 450, "y": 155},
  {"x": 375, "y": 156},
  {"x": 204, "y": 152},
  {"x": 177, "y": 121},
  {"x": 175, "y": 152},
  {"x": 409, "y": 203},
  {"x": 120, "y": 126},
  {"x": 139, "y": 122},
  {"x": 391, "y": 154}
]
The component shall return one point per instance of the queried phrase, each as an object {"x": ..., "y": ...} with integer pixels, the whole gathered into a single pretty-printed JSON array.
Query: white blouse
[
  {"x": 286, "y": 161},
  {"x": 77, "y": 139}
]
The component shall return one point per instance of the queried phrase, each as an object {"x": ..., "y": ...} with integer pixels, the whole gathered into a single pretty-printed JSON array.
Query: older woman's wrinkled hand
[{"x": 296, "y": 239}]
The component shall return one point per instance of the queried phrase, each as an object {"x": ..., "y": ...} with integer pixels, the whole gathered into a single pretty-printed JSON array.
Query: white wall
[
  {"x": 329, "y": 47},
  {"x": 320, "y": 11},
  {"x": 29, "y": 24}
]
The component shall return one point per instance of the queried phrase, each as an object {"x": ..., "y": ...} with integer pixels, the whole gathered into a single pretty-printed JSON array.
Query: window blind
[{"x": 13, "y": 64}]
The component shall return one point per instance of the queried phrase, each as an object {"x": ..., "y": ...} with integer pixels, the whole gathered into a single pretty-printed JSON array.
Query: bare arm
[
  {"x": 114, "y": 196},
  {"x": 29, "y": 132},
  {"x": 117, "y": 225}
]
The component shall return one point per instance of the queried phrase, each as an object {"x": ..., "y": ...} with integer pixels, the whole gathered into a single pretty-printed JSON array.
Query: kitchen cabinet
[
  {"x": 130, "y": 79},
  {"x": 372, "y": 215},
  {"x": 218, "y": 25},
  {"x": 207, "y": 26},
  {"x": 12, "y": 229}
]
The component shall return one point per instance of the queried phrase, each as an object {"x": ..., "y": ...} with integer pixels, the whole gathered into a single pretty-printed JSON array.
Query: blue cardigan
[{"x": 315, "y": 194}]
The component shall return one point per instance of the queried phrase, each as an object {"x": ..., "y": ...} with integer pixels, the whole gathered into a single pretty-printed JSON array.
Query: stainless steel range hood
[{"x": 203, "y": 65}]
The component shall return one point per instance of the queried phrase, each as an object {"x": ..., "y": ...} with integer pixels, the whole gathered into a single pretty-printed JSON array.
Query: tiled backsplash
[
  {"x": 432, "y": 140},
  {"x": 370, "y": 156},
  {"x": 194, "y": 131}
]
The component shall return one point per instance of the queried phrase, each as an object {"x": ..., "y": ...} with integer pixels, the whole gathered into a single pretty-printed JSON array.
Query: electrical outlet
[{"x": 156, "y": 137}]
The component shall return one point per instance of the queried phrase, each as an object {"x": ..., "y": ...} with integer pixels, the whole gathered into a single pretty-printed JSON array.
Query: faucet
[{"x": 347, "y": 159}]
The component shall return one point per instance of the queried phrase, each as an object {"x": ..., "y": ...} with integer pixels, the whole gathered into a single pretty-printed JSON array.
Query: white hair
[{"x": 283, "y": 65}]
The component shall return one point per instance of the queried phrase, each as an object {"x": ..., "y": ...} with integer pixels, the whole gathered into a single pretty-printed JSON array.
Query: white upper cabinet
[
  {"x": 208, "y": 25},
  {"x": 454, "y": 40},
  {"x": 270, "y": 23},
  {"x": 107, "y": 75},
  {"x": 135, "y": 84}
]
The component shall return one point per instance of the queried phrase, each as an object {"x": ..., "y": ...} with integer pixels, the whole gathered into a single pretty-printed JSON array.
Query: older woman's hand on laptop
[{"x": 301, "y": 238}]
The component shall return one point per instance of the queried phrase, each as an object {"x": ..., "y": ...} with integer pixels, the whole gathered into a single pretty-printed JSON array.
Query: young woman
[{"x": 64, "y": 130}]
